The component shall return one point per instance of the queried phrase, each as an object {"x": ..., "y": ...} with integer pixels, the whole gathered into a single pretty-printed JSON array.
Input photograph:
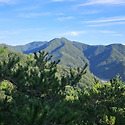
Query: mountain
[
  {"x": 27, "y": 47},
  {"x": 105, "y": 61},
  {"x": 6, "y": 54},
  {"x": 62, "y": 49}
]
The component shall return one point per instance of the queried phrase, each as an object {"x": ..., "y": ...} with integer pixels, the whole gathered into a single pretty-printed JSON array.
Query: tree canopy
[{"x": 31, "y": 93}]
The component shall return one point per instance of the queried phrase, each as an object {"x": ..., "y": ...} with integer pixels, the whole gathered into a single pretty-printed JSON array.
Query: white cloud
[
  {"x": 32, "y": 15},
  {"x": 65, "y": 18},
  {"x": 62, "y": 0},
  {"x": 72, "y": 33},
  {"x": 5, "y": 1},
  {"x": 8, "y": 1},
  {"x": 106, "y": 24},
  {"x": 77, "y": 33},
  {"x": 57, "y": 0},
  {"x": 108, "y": 2},
  {"x": 117, "y": 35},
  {"x": 110, "y": 19},
  {"x": 113, "y": 33},
  {"x": 59, "y": 14},
  {"x": 107, "y": 31},
  {"x": 28, "y": 8},
  {"x": 86, "y": 12},
  {"x": 118, "y": 20},
  {"x": 98, "y": 25}
]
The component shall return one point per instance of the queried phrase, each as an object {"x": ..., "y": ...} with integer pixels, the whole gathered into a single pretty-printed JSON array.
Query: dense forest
[{"x": 32, "y": 92}]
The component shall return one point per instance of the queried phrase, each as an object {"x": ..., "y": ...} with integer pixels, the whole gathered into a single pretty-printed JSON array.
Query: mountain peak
[
  {"x": 105, "y": 60},
  {"x": 60, "y": 39}
]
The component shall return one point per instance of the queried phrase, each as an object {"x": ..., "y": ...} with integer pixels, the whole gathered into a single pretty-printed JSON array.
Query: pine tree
[{"x": 35, "y": 87}]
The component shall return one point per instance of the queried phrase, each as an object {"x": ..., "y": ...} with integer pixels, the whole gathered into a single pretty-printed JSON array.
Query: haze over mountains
[{"x": 104, "y": 61}]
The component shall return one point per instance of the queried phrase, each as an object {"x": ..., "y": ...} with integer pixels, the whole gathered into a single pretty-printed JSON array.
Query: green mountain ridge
[
  {"x": 105, "y": 61},
  {"x": 27, "y": 47},
  {"x": 6, "y": 54}
]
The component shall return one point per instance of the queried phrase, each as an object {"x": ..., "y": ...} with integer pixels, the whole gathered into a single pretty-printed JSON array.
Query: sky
[{"x": 94, "y": 22}]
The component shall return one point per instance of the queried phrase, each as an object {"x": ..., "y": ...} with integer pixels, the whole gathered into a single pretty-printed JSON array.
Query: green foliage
[
  {"x": 35, "y": 85},
  {"x": 2, "y": 50},
  {"x": 33, "y": 94},
  {"x": 104, "y": 104}
]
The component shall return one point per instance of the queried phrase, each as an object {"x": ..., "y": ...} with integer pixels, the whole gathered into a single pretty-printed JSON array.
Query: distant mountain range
[{"x": 104, "y": 61}]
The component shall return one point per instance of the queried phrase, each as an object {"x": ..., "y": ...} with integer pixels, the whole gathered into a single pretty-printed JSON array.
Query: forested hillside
[
  {"x": 31, "y": 92},
  {"x": 6, "y": 55},
  {"x": 105, "y": 61}
]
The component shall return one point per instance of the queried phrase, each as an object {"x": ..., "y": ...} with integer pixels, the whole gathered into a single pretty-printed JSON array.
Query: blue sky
[{"x": 92, "y": 22}]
